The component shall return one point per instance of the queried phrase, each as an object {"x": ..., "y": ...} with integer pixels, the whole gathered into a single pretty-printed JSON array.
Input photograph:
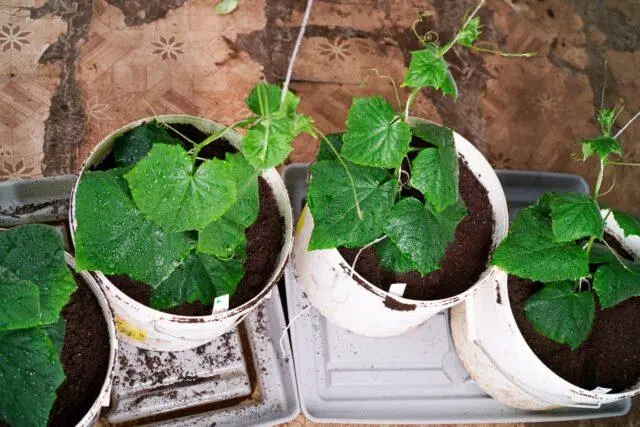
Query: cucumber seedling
[
  {"x": 35, "y": 285},
  {"x": 176, "y": 221},
  {"x": 560, "y": 242},
  {"x": 355, "y": 194}
]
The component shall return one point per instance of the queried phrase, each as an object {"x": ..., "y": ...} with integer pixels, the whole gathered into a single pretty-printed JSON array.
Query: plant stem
[
  {"x": 410, "y": 100},
  {"x": 449, "y": 45},
  {"x": 596, "y": 193},
  {"x": 346, "y": 169},
  {"x": 214, "y": 136},
  {"x": 355, "y": 260},
  {"x": 505, "y": 54}
]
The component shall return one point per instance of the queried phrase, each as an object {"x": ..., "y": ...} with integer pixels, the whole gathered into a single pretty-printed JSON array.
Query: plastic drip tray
[
  {"x": 414, "y": 378},
  {"x": 150, "y": 383},
  {"x": 241, "y": 378}
]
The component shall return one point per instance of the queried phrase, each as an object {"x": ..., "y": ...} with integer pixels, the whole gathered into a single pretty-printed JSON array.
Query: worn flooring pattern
[{"x": 73, "y": 71}]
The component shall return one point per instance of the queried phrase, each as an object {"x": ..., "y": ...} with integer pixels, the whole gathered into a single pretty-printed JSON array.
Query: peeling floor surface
[{"x": 72, "y": 71}]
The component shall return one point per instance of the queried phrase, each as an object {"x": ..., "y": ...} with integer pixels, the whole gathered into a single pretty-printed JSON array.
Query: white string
[
  {"x": 296, "y": 47},
  {"x": 627, "y": 125},
  {"x": 355, "y": 260},
  {"x": 284, "y": 333}
]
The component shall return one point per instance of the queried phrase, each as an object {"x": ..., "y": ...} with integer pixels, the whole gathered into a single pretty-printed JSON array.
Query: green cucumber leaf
[
  {"x": 56, "y": 332},
  {"x": 429, "y": 69},
  {"x": 200, "y": 278},
  {"x": 114, "y": 237},
  {"x": 543, "y": 205},
  {"x": 560, "y": 314},
  {"x": 421, "y": 233},
  {"x": 392, "y": 258},
  {"x": 629, "y": 224},
  {"x": 449, "y": 86},
  {"x": 375, "y": 135},
  {"x": 264, "y": 99},
  {"x": 20, "y": 302},
  {"x": 530, "y": 251},
  {"x": 268, "y": 142},
  {"x": 129, "y": 148},
  {"x": 434, "y": 171},
  {"x": 601, "y": 254},
  {"x": 30, "y": 374},
  {"x": 575, "y": 216},
  {"x": 332, "y": 204},
  {"x": 220, "y": 238},
  {"x": 166, "y": 188},
  {"x": 326, "y": 153},
  {"x": 35, "y": 252},
  {"x": 469, "y": 33},
  {"x": 615, "y": 283},
  {"x": 601, "y": 146}
]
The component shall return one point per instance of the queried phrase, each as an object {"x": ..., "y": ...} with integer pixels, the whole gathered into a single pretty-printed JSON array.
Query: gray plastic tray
[
  {"x": 239, "y": 379},
  {"x": 413, "y": 378}
]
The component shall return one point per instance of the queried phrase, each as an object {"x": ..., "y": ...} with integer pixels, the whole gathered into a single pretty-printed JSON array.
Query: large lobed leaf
[
  {"x": 332, "y": 204},
  {"x": 531, "y": 252},
  {"x": 375, "y": 134},
  {"x": 434, "y": 171},
  {"x": 268, "y": 141},
  {"x": 421, "y": 233},
  {"x": 220, "y": 238},
  {"x": 628, "y": 223},
  {"x": 129, "y": 148},
  {"x": 30, "y": 374},
  {"x": 601, "y": 146},
  {"x": 429, "y": 69},
  {"x": 200, "y": 278},
  {"x": 19, "y": 302},
  {"x": 575, "y": 216},
  {"x": 561, "y": 314},
  {"x": 616, "y": 282},
  {"x": 169, "y": 190},
  {"x": 35, "y": 253},
  {"x": 114, "y": 237},
  {"x": 391, "y": 258}
]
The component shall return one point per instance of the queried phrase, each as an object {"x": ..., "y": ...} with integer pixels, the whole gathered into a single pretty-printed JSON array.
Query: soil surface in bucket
[
  {"x": 85, "y": 357},
  {"x": 264, "y": 239},
  {"x": 463, "y": 263},
  {"x": 609, "y": 358}
]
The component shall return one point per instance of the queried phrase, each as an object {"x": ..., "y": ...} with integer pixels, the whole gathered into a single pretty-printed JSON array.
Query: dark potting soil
[
  {"x": 609, "y": 358},
  {"x": 464, "y": 260},
  {"x": 85, "y": 357},
  {"x": 264, "y": 241}
]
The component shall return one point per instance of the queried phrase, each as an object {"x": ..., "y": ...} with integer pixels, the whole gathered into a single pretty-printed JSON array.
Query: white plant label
[
  {"x": 340, "y": 292},
  {"x": 603, "y": 390},
  {"x": 397, "y": 289},
  {"x": 220, "y": 304}
]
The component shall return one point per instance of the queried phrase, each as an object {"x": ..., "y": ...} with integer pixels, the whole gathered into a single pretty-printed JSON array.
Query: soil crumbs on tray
[
  {"x": 264, "y": 241},
  {"x": 464, "y": 261},
  {"x": 85, "y": 357},
  {"x": 609, "y": 358}
]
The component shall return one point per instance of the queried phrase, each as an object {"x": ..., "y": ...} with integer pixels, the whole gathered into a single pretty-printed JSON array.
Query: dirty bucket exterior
[
  {"x": 355, "y": 304},
  {"x": 497, "y": 357},
  {"x": 104, "y": 398},
  {"x": 151, "y": 329}
]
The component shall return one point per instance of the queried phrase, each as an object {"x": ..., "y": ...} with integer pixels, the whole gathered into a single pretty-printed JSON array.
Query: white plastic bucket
[
  {"x": 104, "y": 397},
  {"x": 497, "y": 357},
  {"x": 361, "y": 306},
  {"x": 151, "y": 329}
]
